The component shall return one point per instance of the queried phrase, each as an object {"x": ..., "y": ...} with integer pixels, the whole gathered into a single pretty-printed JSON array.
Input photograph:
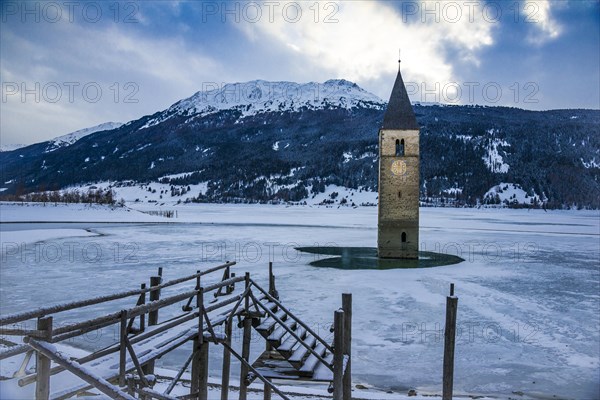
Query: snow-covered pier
[{"x": 206, "y": 314}]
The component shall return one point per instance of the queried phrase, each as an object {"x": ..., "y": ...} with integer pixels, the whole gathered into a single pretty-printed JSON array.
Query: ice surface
[
  {"x": 59, "y": 212},
  {"x": 528, "y": 291}
]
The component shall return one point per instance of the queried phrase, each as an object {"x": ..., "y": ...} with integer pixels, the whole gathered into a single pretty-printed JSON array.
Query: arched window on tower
[
  {"x": 399, "y": 148},
  {"x": 403, "y": 237}
]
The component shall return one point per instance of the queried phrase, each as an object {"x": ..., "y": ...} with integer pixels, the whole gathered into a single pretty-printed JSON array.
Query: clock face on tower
[{"x": 399, "y": 168}]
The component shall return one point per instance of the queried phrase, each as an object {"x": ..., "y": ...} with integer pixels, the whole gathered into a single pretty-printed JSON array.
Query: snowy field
[{"x": 529, "y": 303}]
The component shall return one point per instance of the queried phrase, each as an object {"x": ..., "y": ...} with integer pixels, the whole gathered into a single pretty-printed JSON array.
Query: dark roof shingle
[{"x": 399, "y": 114}]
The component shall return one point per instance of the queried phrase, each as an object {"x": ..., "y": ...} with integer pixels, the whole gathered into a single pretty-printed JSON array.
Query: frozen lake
[{"x": 529, "y": 303}]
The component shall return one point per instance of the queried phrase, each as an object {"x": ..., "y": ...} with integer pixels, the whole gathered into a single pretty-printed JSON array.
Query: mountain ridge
[{"x": 243, "y": 154}]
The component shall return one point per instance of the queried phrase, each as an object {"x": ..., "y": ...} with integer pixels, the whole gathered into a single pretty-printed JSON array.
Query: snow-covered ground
[
  {"x": 50, "y": 212},
  {"x": 528, "y": 313},
  {"x": 39, "y": 235},
  {"x": 158, "y": 194}
]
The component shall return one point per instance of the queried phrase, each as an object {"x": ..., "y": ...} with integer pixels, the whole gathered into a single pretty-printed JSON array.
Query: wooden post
[
  {"x": 203, "y": 376},
  {"x": 143, "y": 316},
  {"x": 245, "y": 344},
  {"x": 197, "y": 360},
  {"x": 266, "y": 387},
  {"x": 153, "y": 315},
  {"x": 42, "y": 383},
  {"x": 226, "y": 363},
  {"x": 231, "y": 288},
  {"x": 338, "y": 355},
  {"x": 449, "y": 341},
  {"x": 271, "y": 281},
  {"x": 154, "y": 295},
  {"x": 347, "y": 307},
  {"x": 195, "y": 373},
  {"x": 267, "y": 392},
  {"x": 122, "y": 348}
]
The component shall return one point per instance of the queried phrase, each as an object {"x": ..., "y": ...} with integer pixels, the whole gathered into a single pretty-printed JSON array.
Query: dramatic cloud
[
  {"x": 360, "y": 40},
  {"x": 539, "y": 13},
  {"x": 63, "y": 74}
]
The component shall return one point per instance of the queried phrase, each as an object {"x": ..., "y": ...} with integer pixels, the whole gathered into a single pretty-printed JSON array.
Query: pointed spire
[{"x": 399, "y": 114}]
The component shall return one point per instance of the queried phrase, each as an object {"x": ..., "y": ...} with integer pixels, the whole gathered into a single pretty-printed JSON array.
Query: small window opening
[{"x": 399, "y": 148}]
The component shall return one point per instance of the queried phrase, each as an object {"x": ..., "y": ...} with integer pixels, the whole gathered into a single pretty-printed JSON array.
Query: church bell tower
[{"x": 398, "y": 223}]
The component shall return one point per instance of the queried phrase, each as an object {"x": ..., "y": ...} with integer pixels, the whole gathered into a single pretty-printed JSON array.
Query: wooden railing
[{"x": 138, "y": 347}]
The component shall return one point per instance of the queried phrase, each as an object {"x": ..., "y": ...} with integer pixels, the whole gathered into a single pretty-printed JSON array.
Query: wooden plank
[
  {"x": 310, "y": 364},
  {"x": 273, "y": 365},
  {"x": 271, "y": 306},
  {"x": 75, "y": 368},
  {"x": 153, "y": 394},
  {"x": 267, "y": 325},
  {"x": 278, "y": 333},
  {"x": 260, "y": 376},
  {"x": 301, "y": 352},
  {"x": 13, "y": 351},
  {"x": 288, "y": 344},
  {"x": 282, "y": 307}
]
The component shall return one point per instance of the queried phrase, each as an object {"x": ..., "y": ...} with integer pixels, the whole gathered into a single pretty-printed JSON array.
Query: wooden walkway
[{"x": 125, "y": 369}]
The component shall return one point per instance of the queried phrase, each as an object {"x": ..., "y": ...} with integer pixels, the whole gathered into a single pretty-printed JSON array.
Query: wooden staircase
[{"x": 293, "y": 350}]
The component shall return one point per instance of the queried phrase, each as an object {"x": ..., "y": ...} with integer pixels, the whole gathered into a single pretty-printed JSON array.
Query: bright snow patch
[
  {"x": 259, "y": 96},
  {"x": 591, "y": 164},
  {"x": 11, "y": 147},
  {"x": 464, "y": 138},
  {"x": 70, "y": 138},
  {"x": 493, "y": 159},
  {"x": 510, "y": 193}
]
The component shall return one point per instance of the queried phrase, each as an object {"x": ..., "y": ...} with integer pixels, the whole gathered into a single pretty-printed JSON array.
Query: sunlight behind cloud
[
  {"x": 539, "y": 13},
  {"x": 363, "y": 44}
]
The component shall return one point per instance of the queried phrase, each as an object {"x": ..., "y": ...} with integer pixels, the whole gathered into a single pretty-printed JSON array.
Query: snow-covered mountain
[
  {"x": 265, "y": 141},
  {"x": 10, "y": 147},
  {"x": 259, "y": 96},
  {"x": 70, "y": 138}
]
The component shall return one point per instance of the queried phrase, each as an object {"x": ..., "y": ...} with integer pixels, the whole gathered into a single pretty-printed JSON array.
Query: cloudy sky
[{"x": 67, "y": 65}]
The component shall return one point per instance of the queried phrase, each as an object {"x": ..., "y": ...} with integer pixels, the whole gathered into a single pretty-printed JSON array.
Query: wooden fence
[{"x": 125, "y": 369}]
